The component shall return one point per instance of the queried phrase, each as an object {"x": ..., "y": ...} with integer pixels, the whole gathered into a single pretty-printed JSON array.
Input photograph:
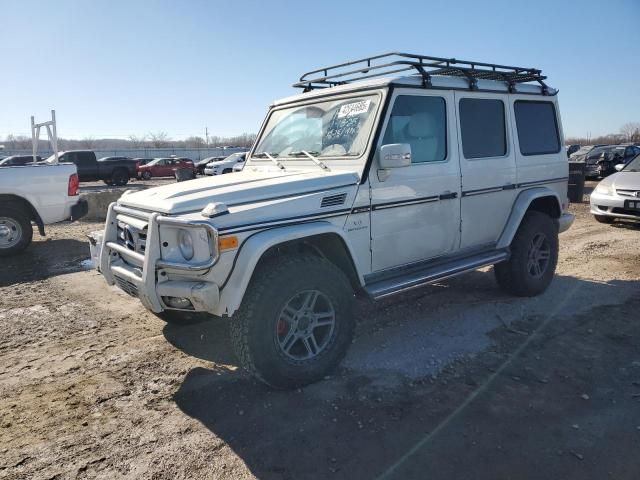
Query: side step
[{"x": 433, "y": 273}]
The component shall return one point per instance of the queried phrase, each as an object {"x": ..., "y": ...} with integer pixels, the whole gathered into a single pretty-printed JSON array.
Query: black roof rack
[{"x": 426, "y": 67}]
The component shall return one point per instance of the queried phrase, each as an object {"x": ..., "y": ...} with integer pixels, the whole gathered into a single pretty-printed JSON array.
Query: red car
[{"x": 163, "y": 167}]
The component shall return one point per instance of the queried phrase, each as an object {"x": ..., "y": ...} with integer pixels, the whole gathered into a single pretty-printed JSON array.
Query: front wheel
[
  {"x": 15, "y": 230},
  {"x": 534, "y": 255},
  {"x": 295, "y": 323},
  {"x": 146, "y": 175}
]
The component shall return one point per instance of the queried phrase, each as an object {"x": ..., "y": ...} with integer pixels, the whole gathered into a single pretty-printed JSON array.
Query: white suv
[
  {"x": 356, "y": 185},
  {"x": 226, "y": 165}
]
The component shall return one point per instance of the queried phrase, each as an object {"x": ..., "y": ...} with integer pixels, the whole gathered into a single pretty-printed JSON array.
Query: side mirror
[
  {"x": 619, "y": 167},
  {"x": 395, "y": 155}
]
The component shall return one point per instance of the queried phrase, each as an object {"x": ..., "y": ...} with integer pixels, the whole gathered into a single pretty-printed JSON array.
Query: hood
[
  {"x": 623, "y": 180},
  {"x": 244, "y": 187}
]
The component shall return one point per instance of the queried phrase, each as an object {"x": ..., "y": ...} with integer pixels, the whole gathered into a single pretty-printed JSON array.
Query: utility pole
[{"x": 206, "y": 134}]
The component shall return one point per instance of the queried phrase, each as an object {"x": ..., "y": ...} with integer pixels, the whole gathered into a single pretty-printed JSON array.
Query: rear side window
[
  {"x": 421, "y": 122},
  {"x": 537, "y": 127},
  {"x": 482, "y": 126}
]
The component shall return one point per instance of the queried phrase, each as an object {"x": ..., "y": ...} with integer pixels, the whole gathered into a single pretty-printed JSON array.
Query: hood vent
[{"x": 333, "y": 200}]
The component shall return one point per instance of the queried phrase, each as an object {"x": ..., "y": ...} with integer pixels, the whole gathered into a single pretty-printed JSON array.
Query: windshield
[
  {"x": 154, "y": 161},
  {"x": 582, "y": 150},
  {"x": 234, "y": 156},
  {"x": 333, "y": 128},
  {"x": 633, "y": 165}
]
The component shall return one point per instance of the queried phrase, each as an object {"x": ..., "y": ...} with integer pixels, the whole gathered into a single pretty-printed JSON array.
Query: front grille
[
  {"x": 628, "y": 193},
  {"x": 132, "y": 237},
  {"x": 126, "y": 286}
]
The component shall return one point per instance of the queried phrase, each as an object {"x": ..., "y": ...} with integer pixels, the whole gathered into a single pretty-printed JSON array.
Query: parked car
[
  {"x": 163, "y": 167},
  {"x": 38, "y": 193},
  {"x": 201, "y": 164},
  {"x": 238, "y": 167},
  {"x": 618, "y": 195},
  {"x": 601, "y": 161},
  {"x": 578, "y": 155},
  {"x": 375, "y": 186},
  {"x": 15, "y": 160},
  {"x": 111, "y": 170},
  {"x": 572, "y": 149},
  {"x": 219, "y": 167}
]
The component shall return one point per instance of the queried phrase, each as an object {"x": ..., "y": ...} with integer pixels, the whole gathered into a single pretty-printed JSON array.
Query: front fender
[
  {"x": 251, "y": 251},
  {"x": 519, "y": 209}
]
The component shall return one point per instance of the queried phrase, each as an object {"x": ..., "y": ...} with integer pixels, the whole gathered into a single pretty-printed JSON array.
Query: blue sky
[{"x": 114, "y": 68}]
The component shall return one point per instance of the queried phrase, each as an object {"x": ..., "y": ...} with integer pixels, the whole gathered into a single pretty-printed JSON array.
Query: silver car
[{"x": 618, "y": 195}]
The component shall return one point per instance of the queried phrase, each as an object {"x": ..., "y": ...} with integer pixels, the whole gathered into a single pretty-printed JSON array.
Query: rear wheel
[
  {"x": 534, "y": 255},
  {"x": 603, "y": 219},
  {"x": 120, "y": 177},
  {"x": 295, "y": 323},
  {"x": 226, "y": 170},
  {"x": 15, "y": 229}
]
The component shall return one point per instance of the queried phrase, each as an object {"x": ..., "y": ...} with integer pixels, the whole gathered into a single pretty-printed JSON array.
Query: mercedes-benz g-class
[{"x": 367, "y": 182}]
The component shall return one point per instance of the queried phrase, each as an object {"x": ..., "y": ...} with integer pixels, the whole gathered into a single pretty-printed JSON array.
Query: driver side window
[{"x": 421, "y": 122}]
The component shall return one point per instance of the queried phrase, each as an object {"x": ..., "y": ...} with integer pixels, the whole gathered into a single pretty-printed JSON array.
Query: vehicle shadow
[
  {"x": 383, "y": 398},
  {"x": 44, "y": 259}
]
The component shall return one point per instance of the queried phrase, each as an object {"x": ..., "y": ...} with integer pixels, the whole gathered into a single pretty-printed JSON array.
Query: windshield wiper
[
  {"x": 268, "y": 155},
  {"x": 311, "y": 157}
]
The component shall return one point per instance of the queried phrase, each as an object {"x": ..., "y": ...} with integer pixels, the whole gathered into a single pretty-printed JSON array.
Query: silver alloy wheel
[
  {"x": 305, "y": 325},
  {"x": 539, "y": 254},
  {"x": 10, "y": 232}
]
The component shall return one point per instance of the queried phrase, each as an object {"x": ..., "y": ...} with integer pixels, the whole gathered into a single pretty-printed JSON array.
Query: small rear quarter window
[{"x": 537, "y": 127}]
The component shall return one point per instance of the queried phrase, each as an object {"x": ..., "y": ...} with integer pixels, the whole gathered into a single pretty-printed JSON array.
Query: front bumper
[
  {"x": 565, "y": 221},
  {"x": 612, "y": 206},
  {"x": 147, "y": 276},
  {"x": 210, "y": 171}
]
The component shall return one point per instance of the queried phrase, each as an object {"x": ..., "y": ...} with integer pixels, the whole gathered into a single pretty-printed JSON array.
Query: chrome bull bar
[{"x": 151, "y": 261}]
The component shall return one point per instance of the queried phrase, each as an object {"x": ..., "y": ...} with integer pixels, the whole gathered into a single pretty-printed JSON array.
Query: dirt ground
[{"x": 457, "y": 380}]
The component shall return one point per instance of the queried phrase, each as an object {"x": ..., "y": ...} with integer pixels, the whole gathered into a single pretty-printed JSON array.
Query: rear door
[{"x": 488, "y": 165}]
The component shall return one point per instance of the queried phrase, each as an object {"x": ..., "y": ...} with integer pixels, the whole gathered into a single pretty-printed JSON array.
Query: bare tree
[
  {"x": 195, "y": 142},
  {"x": 88, "y": 142},
  {"x": 631, "y": 132},
  {"x": 159, "y": 139},
  {"x": 136, "y": 141}
]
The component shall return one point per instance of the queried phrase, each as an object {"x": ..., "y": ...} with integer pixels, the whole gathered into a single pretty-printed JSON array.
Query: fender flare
[
  {"x": 519, "y": 209},
  {"x": 253, "y": 248}
]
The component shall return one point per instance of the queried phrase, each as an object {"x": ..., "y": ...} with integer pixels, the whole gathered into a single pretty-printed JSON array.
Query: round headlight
[{"x": 185, "y": 241}]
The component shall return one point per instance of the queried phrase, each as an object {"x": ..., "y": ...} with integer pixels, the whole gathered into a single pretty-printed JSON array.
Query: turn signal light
[{"x": 227, "y": 243}]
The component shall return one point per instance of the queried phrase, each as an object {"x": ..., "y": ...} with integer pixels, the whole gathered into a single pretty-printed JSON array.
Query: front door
[
  {"x": 488, "y": 165},
  {"x": 415, "y": 210}
]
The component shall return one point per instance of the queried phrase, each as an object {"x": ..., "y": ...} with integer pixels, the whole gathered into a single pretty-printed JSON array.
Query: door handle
[{"x": 448, "y": 195}]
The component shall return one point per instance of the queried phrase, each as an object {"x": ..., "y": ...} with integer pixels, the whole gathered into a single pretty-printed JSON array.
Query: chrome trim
[
  {"x": 123, "y": 251},
  {"x": 213, "y": 245}
]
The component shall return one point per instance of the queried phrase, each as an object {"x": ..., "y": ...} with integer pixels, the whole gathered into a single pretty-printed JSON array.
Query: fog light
[{"x": 178, "y": 302}]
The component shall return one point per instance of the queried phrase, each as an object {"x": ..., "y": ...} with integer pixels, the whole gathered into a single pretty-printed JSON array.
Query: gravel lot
[{"x": 457, "y": 380}]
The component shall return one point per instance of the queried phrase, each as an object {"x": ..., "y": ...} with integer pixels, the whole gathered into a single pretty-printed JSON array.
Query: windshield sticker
[{"x": 352, "y": 109}]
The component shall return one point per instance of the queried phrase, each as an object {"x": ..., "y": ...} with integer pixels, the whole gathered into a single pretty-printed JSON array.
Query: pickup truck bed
[{"x": 42, "y": 194}]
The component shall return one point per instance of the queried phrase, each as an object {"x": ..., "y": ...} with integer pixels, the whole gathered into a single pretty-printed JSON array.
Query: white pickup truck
[
  {"x": 358, "y": 185},
  {"x": 42, "y": 194}
]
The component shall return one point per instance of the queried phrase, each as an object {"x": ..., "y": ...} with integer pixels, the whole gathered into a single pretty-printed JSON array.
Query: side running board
[{"x": 433, "y": 273}]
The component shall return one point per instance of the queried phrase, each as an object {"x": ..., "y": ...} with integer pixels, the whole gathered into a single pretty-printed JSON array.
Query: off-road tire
[
  {"x": 603, "y": 219},
  {"x": 513, "y": 275},
  {"x": 253, "y": 325},
  {"x": 147, "y": 175},
  {"x": 119, "y": 177},
  {"x": 18, "y": 214}
]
